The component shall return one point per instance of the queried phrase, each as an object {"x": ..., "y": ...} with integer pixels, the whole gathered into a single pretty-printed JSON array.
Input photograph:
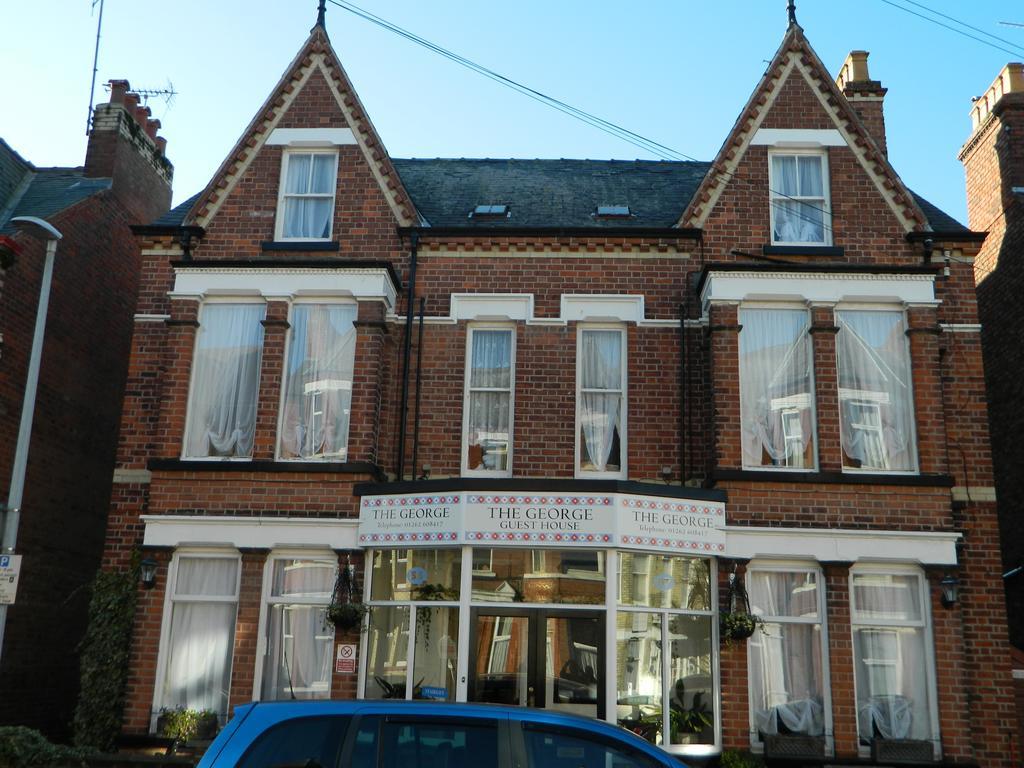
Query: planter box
[
  {"x": 794, "y": 746},
  {"x": 902, "y": 751}
]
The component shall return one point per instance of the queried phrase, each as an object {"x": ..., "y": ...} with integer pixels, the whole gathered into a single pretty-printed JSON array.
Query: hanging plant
[
  {"x": 737, "y": 623},
  {"x": 425, "y": 614},
  {"x": 345, "y": 612}
]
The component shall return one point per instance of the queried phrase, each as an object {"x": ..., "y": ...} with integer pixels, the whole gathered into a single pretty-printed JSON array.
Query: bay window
[
  {"x": 787, "y": 656},
  {"x": 875, "y": 394},
  {"x": 798, "y": 198},
  {"x": 298, "y": 640},
  {"x": 198, "y": 633},
  {"x": 776, "y": 388},
  {"x": 893, "y": 666},
  {"x": 317, "y": 401},
  {"x": 601, "y": 403},
  {"x": 225, "y": 381},
  {"x": 487, "y": 419},
  {"x": 306, "y": 199}
]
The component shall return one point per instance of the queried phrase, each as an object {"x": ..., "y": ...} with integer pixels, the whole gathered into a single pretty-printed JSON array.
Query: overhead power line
[
  {"x": 1016, "y": 52},
  {"x": 965, "y": 24}
]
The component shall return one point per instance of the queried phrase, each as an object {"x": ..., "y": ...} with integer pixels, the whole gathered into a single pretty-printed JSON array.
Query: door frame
[{"x": 537, "y": 646}]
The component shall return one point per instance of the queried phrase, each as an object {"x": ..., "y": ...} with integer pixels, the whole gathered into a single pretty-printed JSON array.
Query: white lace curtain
[
  {"x": 600, "y": 398},
  {"x": 202, "y": 634},
  {"x": 776, "y": 388},
  {"x": 803, "y": 220},
  {"x": 490, "y": 387},
  {"x": 309, "y": 195},
  {"x": 785, "y": 658},
  {"x": 225, "y": 381},
  {"x": 318, "y": 382},
  {"x": 875, "y": 392},
  {"x": 889, "y": 656}
]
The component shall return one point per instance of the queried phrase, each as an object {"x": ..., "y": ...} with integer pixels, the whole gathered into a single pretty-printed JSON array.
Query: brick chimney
[
  {"x": 993, "y": 159},
  {"x": 864, "y": 94},
  {"x": 124, "y": 147}
]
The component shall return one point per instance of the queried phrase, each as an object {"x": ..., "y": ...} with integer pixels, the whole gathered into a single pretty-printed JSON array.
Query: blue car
[{"x": 400, "y": 734}]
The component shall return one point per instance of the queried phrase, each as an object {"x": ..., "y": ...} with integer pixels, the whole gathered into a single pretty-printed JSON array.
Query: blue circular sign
[
  {"x": 664, "y": 581},
  {"x": 417, "y": 576}
]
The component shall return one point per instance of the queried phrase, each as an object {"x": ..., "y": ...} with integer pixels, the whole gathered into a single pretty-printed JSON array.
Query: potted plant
[
  {"x": 184, "y": 725},
  {"x": 738, "y": 626},
  {"x": 346, "y": 616},
  {"x": 424, "y": 614}
]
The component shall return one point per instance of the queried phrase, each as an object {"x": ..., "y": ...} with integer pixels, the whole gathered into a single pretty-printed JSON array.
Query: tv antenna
[{"x": 95, "y": 64}]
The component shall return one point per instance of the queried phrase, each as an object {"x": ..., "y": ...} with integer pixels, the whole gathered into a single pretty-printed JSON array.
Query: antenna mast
[{"x": 95, "y": 66}]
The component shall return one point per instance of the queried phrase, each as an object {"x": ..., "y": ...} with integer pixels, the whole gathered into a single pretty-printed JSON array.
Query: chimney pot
[
  {"x": 118, "y": 88},
  {"x": 161, "y": 144},
  {"x": 131, "y": 101},
  {"x": 142, "y": 115},
  {"x": 152, "y": 126},
  {"x": 1009, "y": 80}
]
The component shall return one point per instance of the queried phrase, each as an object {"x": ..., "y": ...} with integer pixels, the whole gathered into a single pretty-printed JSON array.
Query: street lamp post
[{"x": 39, "y": 228}]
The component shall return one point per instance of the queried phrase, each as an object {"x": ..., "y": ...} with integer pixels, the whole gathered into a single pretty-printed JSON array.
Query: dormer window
[
  {"x": 490, "y": 212},
  {"x": 613, "y": 212},
  {"x": 305, "y": 208},
  {"x": 798, "y": 192}
]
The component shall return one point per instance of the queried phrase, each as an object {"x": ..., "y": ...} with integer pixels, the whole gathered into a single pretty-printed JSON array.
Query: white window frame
[
  {"x": 824, "y": 202},
  {"x": 279, "y": 221},
  {"x": 798, "y": 566},
  {"x": 245, "y": 300},
  {"x": 782, "y": 468},
  {"x": 925, "y": 624},
  {"x": 621, "y": 473},
  {"x": 266, "y": 600},
  {"x": 881, "y": 307},
  {"x": 284, "y": 367},
  {"x": 471, "y": 329},
  {"x": 165, "y": 621}
]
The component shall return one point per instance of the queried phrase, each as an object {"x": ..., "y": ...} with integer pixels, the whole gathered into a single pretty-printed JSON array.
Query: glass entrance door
[{"x": 542, "y": 658}]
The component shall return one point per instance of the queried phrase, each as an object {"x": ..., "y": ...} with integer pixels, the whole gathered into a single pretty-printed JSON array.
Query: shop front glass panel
[
  {"x": 387, "y": 650},
  {"x": 664, "y": 581},
  {"x": 501, "y": 671},
  {"x": 436, "y": 651},
  {"x": 638, "y": 664},
  {"x": 572, "y": 664},
  {"x": 571, "y": 576},
  {"x": 691, "y": 680},
  {"x": 415, "y": 574}
]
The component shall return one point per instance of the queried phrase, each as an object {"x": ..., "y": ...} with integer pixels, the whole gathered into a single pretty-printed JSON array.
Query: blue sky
[{"x": 676, "y": 72}]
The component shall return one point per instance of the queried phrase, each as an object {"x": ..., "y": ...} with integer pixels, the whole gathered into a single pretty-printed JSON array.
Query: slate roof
[
  {"x": 13, "y": 168},
  {"x": 555, "y": 193}
]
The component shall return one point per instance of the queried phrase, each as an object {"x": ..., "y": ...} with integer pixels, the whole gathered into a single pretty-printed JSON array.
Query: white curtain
[
  {"x": 309, "y": 195},
  {"x": 875, "y": 394},
  {"x": 488, "y": 428},
  {"x": 318, "y": 381},
  {"x": 202, "y": 635},
  {"x": 785, "y": 658},
  {"x": 298, "y": 658},
  {"x": 225, "y": 382},
  {"x": 776, "y": 389},
  {"x": 798, "y": 221},
  {"x": 890, "y": 660},
  {"x": 601, "y": 396}
]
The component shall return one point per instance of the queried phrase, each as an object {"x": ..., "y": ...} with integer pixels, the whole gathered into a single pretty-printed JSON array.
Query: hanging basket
[
  {"x": 737, "y": 623},
  {"x": 345, "y": 612}
]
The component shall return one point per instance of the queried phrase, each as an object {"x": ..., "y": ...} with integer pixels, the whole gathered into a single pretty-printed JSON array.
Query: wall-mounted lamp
[
  {"x": 147, "y": 573},
  {"x": 666, "y": 474},
  {"x": 425, "y": 474},
  {"x": 950, "y": 586}
]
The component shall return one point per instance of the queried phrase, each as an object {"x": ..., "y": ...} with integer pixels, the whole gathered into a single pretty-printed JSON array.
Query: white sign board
[
  {"x": 10, "y": 567},
  {"x": 345, "y": 658},
  {"x": 562, "y": 520}
]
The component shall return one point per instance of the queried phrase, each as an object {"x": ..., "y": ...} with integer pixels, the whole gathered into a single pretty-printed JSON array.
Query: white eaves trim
[
  {"x": 361, "y": 283},
  {"x": 818, "y": 287},
  {"x": 827, "y": 544},
  {"x": 311, "y": 137},
  {"x": 798, "y": 137},
  {"x": 258, "y": 532}
]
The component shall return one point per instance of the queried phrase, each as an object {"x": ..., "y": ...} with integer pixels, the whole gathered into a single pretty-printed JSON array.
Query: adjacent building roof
[
  {"x": 555, "y": 193},
  {"x": 29, "y": 191}
]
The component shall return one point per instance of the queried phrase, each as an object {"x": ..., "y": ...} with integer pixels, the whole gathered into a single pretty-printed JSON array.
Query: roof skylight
[
  {"x": 613, "y": 211},
  {"x": 490, "y": 210}
]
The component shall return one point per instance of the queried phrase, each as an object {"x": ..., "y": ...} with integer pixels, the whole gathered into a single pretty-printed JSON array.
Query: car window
[
  {"x": 305, "y": 742},
  {"x": 364, "y": 746},
  {"x": 439, "y": 744},
  {"x": 567, "y": 748}
]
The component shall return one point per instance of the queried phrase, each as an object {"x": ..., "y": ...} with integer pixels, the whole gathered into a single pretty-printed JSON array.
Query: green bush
[
  {"x": 22, "y": 747},
  {"x": 104, "y": 659},
  {"x": 733, "y": 758}
]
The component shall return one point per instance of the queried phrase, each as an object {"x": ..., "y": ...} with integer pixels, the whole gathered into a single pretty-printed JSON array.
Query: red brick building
[
  {"x": 566, "y": 420},
  {"x": 993, "y": 159},
  {"x": 126, "y": 180}
]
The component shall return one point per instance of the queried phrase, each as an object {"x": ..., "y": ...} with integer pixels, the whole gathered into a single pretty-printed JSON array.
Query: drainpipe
[
  {"x": 39, "y": 228},
  {"x": 419, "y": 387},
  {"x": 414, "y": 241},
  {"x": 683, "y": 437}
]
